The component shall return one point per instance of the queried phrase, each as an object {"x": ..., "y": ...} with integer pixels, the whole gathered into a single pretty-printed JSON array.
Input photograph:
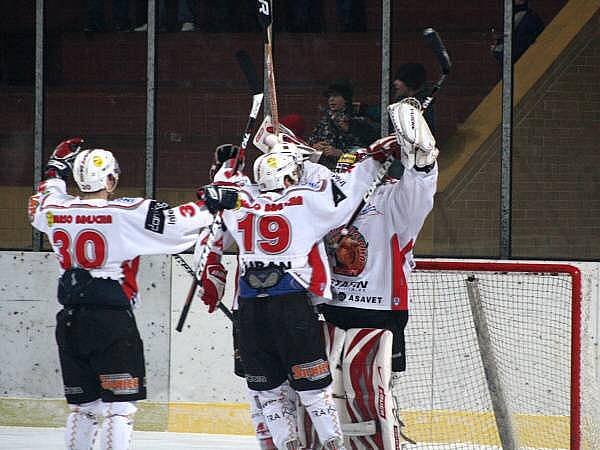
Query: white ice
[{"x": 22, "y": 438}]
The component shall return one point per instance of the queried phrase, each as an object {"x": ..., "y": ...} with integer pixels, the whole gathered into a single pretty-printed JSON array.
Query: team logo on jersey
[
  {"x": 338, "y": 195},
  {"x": 97, "y": 161},
  {"x": 155, "y": 219},
  {"x": 350, "y": 253}
]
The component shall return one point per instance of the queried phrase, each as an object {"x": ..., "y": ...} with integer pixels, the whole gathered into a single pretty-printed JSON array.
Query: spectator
[
  {"x": 186, "y": 19},
  {"x": 340, "y": 129},
  {"x": 95, "y": 16},
  {"x": 527, "y": 26},
  {"x": 409, "y": 81}
]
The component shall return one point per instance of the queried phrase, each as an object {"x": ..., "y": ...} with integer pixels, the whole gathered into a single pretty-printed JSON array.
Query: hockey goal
[{"x": 500, "y": 355}]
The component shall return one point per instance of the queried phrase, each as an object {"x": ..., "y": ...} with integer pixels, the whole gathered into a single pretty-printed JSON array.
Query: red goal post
[{"x": 514, "y": 390}]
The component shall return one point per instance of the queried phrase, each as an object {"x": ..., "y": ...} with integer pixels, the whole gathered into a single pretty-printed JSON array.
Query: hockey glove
[
  {"x": 60, "y": 164},
  {"x": 413, "y": 134},
  {"x": 223, "y": 153},
  {"x": 213, "y": 285},
  {"x": 218, "y": 197},
  {"x": 382, "y": 148}
]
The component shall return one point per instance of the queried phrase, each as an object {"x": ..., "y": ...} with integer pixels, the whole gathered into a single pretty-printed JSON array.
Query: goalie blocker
[{"x": 360, "y": 361}]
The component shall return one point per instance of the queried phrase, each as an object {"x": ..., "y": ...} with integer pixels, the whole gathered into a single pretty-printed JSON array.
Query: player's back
[
  {"x": 96, "y": 235},
  {"x": 102, "y": 235},
  {"x": 284, "y": 228}
]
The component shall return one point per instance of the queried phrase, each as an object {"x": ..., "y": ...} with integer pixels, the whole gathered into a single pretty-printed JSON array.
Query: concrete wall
[{"x": 191, "y": 386}]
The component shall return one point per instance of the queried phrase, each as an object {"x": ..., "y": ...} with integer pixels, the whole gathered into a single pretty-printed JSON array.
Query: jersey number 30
[
  {"x": 89, "y": 249},
  {"x": 273, "y": 232}
]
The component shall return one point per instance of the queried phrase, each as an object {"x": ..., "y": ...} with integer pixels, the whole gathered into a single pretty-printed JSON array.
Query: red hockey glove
[
  {"x": 213, "y": 284},
  {"x": 381, "y": 148},
  {"x": 60, "y": 164}
]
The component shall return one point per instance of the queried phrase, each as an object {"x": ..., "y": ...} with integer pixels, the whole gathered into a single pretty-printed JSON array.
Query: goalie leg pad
[
  {"x": 117, "y": 427},
  {"x": 82, "y": 425},
  {"x": 366, "y": 373},
  {"x": 279, "y": 417}
]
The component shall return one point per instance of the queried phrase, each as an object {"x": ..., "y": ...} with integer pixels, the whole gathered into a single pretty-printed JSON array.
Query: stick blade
[
  {"x": 435, "y": 42},
  {"x": 249, "y": 71}
]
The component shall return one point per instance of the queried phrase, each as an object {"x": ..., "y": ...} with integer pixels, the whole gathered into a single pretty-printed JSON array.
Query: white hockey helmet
[
  {"x": 288, "y": 148},
  {"x": 271, "y": 169},
  {"x": 92, "y": 168}
]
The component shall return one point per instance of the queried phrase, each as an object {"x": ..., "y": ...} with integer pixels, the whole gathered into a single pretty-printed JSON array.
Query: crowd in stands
[{"x": 298, "y": 16}]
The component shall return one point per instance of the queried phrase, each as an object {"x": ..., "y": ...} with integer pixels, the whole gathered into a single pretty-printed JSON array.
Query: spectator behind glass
[
  {"x": 95, "y": 16},
  {"x": 186, "y": 20},
  {"x": 527, "y": 26},
  {"x": 340, "y": 129},
  {"x": 409, "y": 81}
]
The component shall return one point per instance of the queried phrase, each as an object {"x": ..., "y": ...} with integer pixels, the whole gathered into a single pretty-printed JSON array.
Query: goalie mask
[
  {"x": 271, "y": 170},
  {"x": 93, "y": 167}
]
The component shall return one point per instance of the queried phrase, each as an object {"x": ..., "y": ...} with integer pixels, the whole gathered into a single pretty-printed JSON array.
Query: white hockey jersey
[
  {"x": 372, "y": 262},
  {"x": 106, "y": 237},
  {"x": 312, "y": 175},
  {"x": 285, "y": 229}
]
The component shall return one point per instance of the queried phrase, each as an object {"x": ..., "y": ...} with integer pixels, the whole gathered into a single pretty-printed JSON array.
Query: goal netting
[{"x": 500, "y": 356}]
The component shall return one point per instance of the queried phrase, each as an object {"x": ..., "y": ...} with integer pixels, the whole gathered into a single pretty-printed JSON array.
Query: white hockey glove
[{"x": 413, "y": 134}]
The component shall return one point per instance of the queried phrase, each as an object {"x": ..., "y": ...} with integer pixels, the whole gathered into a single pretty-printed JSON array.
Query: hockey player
[
  {"x": 371, "y": 262},
  {"x": 98, "y": 242},
  {"x": 214, "y": 275},
  {"x": 278, "y": 231}
]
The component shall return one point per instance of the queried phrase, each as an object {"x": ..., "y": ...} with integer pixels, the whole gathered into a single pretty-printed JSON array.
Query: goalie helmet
[
  {"x": 93, "y": 167},
  {"x": 271, "y": 170}
]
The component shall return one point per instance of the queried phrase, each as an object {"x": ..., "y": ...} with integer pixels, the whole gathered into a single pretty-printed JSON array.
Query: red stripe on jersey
[
  {"x": 399, "y": 286},
  {"x": 129, "y": 284},
  {"x": 318, "y": 278}
]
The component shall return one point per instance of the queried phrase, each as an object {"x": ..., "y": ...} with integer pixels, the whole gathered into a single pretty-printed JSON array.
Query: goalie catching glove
[
  {"x": 218, "y": 197},
  {"x": 413, "y": 134},
  {"x": 60, "y": 164},
  {"x": 213, "y": 282}
]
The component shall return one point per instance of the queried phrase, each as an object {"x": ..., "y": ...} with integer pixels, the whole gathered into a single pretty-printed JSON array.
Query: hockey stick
[
  {"x": 432, "y": 38},
  {"x": 218, "y": 220},
  {"x": 265, "y": 17},
  {"x": 191, "y": 272}
]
